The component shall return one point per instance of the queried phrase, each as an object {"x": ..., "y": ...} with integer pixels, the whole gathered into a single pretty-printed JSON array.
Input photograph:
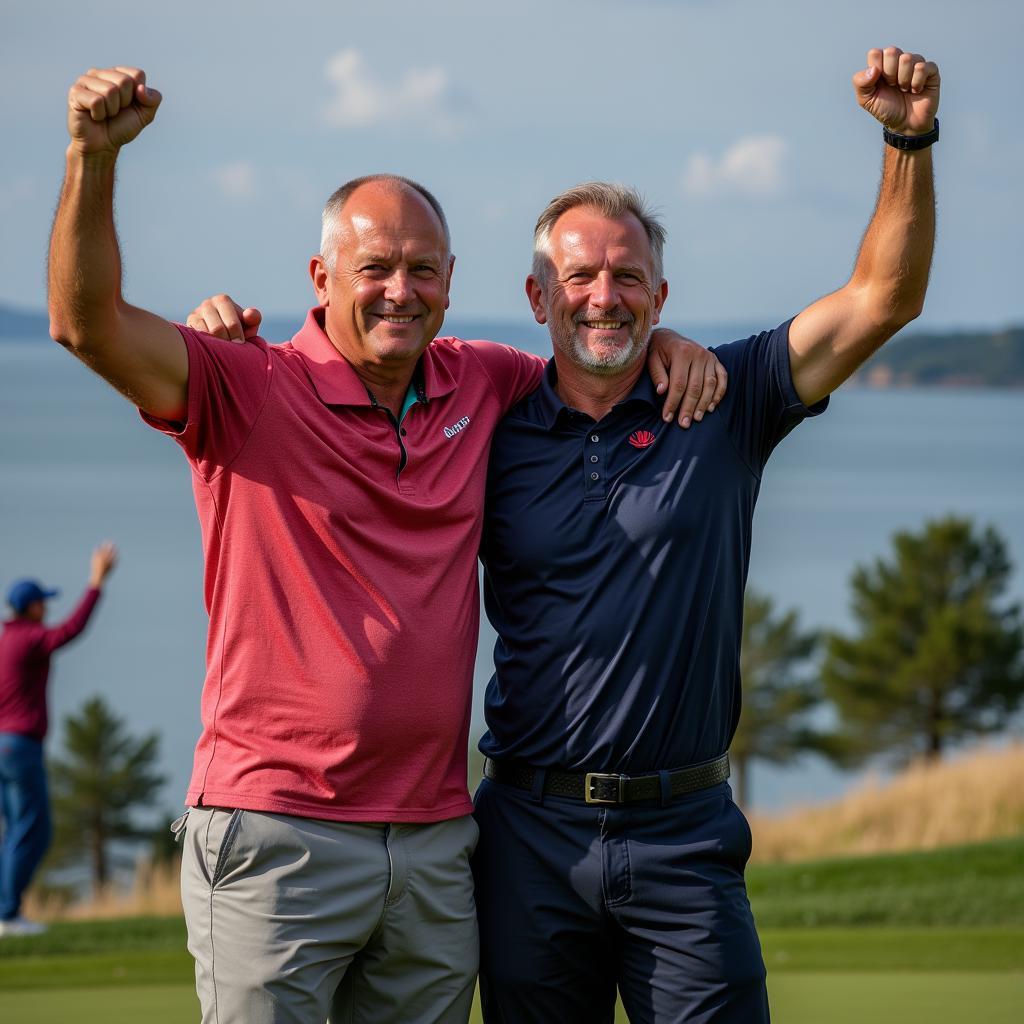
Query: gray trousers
[{"x": 295, "y": 920}]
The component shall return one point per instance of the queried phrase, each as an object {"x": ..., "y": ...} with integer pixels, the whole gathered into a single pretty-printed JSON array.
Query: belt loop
[
  {"x": 665, "y": 782},
  {"x": 537, "y": 789}
]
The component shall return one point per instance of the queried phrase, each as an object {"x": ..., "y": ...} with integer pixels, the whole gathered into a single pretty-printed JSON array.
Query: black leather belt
[{"x": 607, "y": 788}]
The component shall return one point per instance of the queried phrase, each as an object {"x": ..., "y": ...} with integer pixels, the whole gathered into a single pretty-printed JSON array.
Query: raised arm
[
  {"x": 104, "y": 558},
  {"x": 832, "y": 337},
  {"x": 141, "y": 354}
]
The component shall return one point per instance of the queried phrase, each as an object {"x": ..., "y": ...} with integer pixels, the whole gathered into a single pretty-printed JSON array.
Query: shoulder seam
[
  {"x": 486, "y": 371},
  {"x": 252, "y": 426},
  {"x": 728, "y": 427}
]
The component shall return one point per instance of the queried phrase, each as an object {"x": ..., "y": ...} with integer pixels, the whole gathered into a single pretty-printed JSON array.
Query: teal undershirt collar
[{"x": 412, "y": 396}]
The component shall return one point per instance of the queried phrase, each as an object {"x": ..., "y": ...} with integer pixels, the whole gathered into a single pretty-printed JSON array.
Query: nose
[
  {"x": 604, "y": 293},
  {"x": 398, "y": 288}
]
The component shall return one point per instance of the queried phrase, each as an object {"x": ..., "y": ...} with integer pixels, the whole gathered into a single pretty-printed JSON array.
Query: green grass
[
  {"x": 137, "y": 934},
  {"x": 896, "y": 998},
  {"x": 152, "y": 951},
  {"x": 981, "y": 884},
  {"x": 923, "y": 938},
  {"x": 893, "y": 949},
  {"x": 797, "y": 998}
]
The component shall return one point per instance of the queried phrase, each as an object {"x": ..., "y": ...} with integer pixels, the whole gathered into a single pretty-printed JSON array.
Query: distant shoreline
[{"x": 956, "y": 360}]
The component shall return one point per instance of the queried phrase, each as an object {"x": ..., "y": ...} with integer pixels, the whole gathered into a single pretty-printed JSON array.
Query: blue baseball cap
[{"x": 24, "y": 592}]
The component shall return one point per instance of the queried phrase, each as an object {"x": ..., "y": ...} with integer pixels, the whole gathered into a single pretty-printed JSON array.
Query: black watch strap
[{"x": 911, "y": 142}]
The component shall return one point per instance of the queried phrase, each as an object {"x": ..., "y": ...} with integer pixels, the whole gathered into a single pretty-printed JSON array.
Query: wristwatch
[{"x": 911, "y": 142}]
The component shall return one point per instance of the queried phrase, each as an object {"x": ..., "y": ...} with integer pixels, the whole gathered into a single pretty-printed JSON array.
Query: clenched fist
[
  {"x": 108, "y": 107},
  {"x": 899, "y": 89}
]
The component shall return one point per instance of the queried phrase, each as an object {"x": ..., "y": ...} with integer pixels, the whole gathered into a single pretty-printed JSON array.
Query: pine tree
[
  {"x": 778, "y": 693},
  {"x": 936, "y": 658},
  {"x": 104, "y": 776}
]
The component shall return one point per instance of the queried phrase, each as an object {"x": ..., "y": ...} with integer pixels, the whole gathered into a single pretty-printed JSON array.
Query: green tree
[
  {"x": 778, "y": 692},
  {"x": 936, "y": 658},
  {"x": 104, "y": 776}
]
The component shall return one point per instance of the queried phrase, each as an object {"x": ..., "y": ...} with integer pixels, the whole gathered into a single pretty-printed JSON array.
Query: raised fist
[
  {"x": 108, "y": 108},
  {"x": 899, "y": 89}
]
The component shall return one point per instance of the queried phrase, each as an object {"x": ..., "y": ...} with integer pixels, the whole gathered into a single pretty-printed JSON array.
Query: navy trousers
[
  {"x": 576, "y": 901},
  {"x": 25, "y": 810}
]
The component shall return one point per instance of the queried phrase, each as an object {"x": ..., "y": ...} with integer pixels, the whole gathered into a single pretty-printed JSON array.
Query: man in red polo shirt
[
  {"x": 26, "y": 647},
  {"x": 339, "y": 481}
]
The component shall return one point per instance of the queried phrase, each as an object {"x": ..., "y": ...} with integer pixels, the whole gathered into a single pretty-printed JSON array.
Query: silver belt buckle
[{"x": 588, "y": 787}]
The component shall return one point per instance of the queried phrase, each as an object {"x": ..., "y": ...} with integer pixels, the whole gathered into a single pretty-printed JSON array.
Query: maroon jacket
[{"x": 25, "y": 649}]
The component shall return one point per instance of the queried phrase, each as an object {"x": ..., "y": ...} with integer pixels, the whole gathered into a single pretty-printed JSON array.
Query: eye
[
  {"x": 629, "y": 277},
  {"x": 424, "y": 270},
  {"x": 372, "y": 268}
]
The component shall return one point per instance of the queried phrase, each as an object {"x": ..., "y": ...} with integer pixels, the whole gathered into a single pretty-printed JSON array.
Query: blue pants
[
  {"x": 25, "y": 810},
  {"x": 575, "y": 901}
]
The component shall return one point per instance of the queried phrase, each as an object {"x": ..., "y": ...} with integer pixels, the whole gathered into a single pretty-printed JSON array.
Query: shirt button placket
[{"x": 594, "y": 466}]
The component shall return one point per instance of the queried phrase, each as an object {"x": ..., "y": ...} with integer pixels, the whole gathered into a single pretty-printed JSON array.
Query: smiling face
[
  {"x": 386, "y": 289},
  {"x": 598, "y": 295}
]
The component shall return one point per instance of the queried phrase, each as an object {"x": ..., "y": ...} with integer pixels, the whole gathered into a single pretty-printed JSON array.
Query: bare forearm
[
  {"x": 85, "y": 260},
  {"x": 896, "y": 253},
  {"x": 833, "y": 336}
]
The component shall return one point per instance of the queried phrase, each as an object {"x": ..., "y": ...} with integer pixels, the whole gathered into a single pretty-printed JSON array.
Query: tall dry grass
[
  {"x": 965, "y": 799},
  {"x": 154, "y": 892}
]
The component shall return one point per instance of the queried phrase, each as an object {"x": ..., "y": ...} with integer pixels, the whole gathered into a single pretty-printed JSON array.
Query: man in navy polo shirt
[{"x": 616, "y": 553}]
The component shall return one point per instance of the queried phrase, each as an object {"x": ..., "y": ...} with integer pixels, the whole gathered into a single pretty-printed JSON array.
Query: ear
[
  {"x": 320, "y": 276},
  {"x": 448, "y": 283},
  {"x": 659, "y": 301},
  {"x": 535, "y": 293}
]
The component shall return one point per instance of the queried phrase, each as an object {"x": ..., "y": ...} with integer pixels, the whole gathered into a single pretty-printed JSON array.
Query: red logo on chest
[{"x": 641, "y": 439}]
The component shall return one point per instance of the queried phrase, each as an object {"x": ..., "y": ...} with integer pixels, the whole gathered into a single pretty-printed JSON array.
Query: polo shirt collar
[
  {"x": 337, "y": 383},
  {"x": 551, "y": 407}
]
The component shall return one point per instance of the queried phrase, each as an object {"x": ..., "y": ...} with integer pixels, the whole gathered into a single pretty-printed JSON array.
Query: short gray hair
[
  {"x": 613, "y": 201},
  {"x": 333, "y": 207}
]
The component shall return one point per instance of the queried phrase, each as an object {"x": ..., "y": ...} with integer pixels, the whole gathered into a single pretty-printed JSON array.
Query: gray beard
[{"x": 613, "y": 361}]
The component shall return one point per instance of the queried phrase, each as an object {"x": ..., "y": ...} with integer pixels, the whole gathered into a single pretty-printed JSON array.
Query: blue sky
[{"x": 735, "y": 117}]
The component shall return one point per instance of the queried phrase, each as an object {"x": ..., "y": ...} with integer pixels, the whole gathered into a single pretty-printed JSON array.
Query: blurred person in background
[{"x": 26, "y": 646}]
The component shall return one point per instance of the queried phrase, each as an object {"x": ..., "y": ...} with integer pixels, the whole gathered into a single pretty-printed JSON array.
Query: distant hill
[
  {"x": 988, "y": 359},
  {"x": 917, "y": 359},
  {"x": 22, "y": 325}
]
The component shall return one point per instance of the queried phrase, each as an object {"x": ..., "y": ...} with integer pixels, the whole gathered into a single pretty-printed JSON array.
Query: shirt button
[
  {"x": 595, "y": 476},
  {"x": 593, "y": 458},
  {"x": 594, "y": 438}
]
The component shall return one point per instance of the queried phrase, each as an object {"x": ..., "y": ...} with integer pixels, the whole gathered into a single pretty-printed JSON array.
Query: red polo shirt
[
  {"x": 25, "y": 650},
  {"x": 341, "y": 577}
]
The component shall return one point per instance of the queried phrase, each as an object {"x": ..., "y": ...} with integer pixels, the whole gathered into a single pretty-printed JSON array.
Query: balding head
[
  {"x": 394, "y": 183},
  {"x": 383, "y": 276}
]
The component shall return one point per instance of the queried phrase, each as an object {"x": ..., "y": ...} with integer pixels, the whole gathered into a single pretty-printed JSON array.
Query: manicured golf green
[
  {"x": 797, "y": 998},
  {"x": 923, "y": 938}
]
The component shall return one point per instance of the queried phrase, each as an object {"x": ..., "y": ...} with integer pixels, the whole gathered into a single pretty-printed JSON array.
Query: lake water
[{"x": 77, "y": 466}]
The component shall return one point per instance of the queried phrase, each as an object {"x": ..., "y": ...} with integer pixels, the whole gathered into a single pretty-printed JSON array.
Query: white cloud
[
  {"x": 752, "y": 166},
  {"x": 422, "y": 97},
  {"x": 237, "y": 179}
]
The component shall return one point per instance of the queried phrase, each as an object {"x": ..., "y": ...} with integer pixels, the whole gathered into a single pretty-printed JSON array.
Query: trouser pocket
[
  {"x": 210, "y": 836},
  {"x": 177, "y": 827}
]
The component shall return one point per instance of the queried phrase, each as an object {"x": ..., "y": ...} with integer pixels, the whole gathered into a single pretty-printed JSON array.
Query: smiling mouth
[
  {"x": 604, "y": 325},
  {"x": 391, "y": 318}
]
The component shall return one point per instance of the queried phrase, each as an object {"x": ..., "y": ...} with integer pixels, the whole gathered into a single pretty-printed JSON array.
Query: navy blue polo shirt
[{"x": 615, "y": 557}]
